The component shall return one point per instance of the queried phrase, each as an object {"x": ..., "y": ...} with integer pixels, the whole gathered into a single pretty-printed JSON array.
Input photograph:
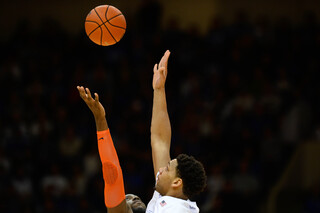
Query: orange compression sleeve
[{"x": 112, "y": 173}]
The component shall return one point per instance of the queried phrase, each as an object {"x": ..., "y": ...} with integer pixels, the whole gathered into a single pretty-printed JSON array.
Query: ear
[{"x": 177, "y": 182}]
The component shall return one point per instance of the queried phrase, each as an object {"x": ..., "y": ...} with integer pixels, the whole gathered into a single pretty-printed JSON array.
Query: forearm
[{"x": 160, "y": 124}]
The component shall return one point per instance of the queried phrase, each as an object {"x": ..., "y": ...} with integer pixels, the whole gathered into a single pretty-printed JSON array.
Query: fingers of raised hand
[
  {"x": 162, "y": 72},
  {"x": 161, "y": 63},
  {"x": 81, "y": 92},
  {"x": 85, "y": 94},
  {"x": 167, "y": 54},
  {"x": 164, "y": 59},
  {"x": 88, "y": 93}
]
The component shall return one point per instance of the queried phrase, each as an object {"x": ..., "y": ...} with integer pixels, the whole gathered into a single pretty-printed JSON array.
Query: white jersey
[{"x": 168, "y": 204}]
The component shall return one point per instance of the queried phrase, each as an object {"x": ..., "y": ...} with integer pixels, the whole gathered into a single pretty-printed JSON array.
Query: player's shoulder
[{"x": 177, "y": 205}]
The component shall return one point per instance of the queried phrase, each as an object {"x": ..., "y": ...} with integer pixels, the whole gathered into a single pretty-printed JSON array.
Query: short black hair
[{"x": 192, "y": 174}]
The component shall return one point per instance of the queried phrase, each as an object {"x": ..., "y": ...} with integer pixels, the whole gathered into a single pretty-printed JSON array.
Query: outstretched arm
[
  {"x": 112, "y": 174},
  {"x": 160, "y": 123}
]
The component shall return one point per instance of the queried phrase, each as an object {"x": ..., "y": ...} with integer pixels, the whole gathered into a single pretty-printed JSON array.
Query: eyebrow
[{"x": 128, "y": 196}]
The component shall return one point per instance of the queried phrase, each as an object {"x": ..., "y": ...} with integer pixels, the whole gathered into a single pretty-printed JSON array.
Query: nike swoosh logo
[{"x": 100, "y": 138}]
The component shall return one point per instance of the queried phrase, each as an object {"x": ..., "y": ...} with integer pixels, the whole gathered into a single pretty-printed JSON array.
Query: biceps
[{"x": 160, "y": 156}]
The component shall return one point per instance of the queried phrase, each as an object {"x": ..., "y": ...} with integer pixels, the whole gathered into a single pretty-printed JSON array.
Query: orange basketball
[{"x": 105, "y": 25}]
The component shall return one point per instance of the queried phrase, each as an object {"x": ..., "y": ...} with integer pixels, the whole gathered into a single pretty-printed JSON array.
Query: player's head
[
  {"x": 135, "y": 203},
  {"x": 192, "y": 174},
  {"x": 184, "y": 175}
]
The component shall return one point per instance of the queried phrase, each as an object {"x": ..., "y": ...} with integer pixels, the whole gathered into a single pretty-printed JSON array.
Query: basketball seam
[
  {"x": 108, "y": 20},
  {"x": 106, "y": 14},
  {"x": 116, "y": 26},
  {"x": 95, "y": 28},
  {"x": 114, "y": 17},
  {"x": 101, "y": 36},
  {"x": 105, "y": 26}
]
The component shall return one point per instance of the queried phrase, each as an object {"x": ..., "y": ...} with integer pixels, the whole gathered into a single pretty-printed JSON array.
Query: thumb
[
  {"x": 155, "y": 68},
  {"x": 96, "y": 97}
]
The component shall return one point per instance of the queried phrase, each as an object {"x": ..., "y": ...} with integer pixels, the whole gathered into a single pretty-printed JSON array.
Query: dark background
[{"x": 242, "y": 93}]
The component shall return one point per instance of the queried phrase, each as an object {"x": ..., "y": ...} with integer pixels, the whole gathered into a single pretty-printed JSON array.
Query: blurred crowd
[{"x": 241, "y": 97}]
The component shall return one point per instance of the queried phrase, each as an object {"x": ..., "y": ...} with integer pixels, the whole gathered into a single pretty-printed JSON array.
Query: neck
[
  {"x": 183, "y": 197},
  {"x": 177, "y": 194}
]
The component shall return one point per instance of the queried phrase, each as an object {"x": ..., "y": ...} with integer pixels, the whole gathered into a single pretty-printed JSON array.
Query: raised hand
[
  {"x": 160, "y": 72},
  {"x": 93, "y": 103}
]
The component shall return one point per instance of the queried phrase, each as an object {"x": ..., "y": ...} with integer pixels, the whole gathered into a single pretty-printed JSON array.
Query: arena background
[{"x": 242, "y": 91}]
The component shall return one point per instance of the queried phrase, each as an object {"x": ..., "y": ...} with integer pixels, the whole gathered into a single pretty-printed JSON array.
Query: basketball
[{"x": 105, "y": 25}]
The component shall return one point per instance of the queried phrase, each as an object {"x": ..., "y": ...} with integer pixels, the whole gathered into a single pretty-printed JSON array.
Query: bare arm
[
  {"x": 108, "y": 156},
  {"x": 160, "y": 123}
]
